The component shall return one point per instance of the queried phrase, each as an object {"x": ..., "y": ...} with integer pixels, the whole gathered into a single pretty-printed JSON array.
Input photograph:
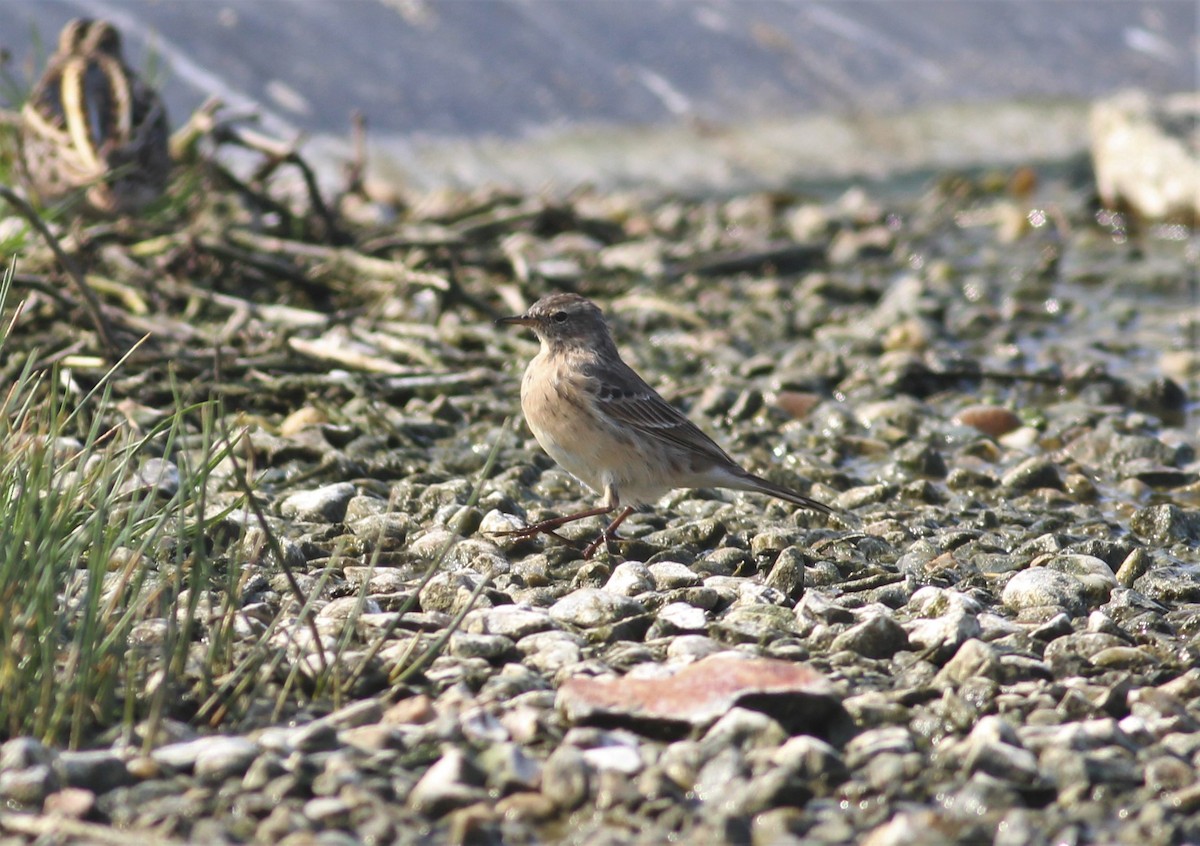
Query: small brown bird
[
  {"x": 604, "y": 425},
  {"x": 92, "y": 125}
]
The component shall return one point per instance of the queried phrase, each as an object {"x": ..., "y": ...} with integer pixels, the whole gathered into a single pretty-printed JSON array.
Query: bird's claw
[
  {"x": 527, "y": 532},
  {"x": 605, "y": 539}
]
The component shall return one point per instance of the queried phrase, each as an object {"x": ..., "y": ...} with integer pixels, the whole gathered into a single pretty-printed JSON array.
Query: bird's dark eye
[{"x": 559, "y": 317}]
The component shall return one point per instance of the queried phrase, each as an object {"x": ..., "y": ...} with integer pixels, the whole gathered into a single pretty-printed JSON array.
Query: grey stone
[
  {"x": 757, "y": 623},
  {"x": 747, "y": 730},
  {"x": 512, "y": 621},
  {"x": 452, "y": 782},
  {"x": 99, "y": 770},
  {"x": 877, "y": 637},
  {"x": 1039, "y": 587},
  {"x": 787, "y": 574},
  {"x": 1067, "y": 651},
  {"x": 1032, "y": 473},
  {"x": 1000, "y": 758},
  {"x": 678, "y": 618},
  {"x": 28, "y": 786},
  {"x": 328, "y": 811},
  {"x": 1094, "y": 574},
  {"x": 508, "y": 768},
  {"x": 1167, "y": 523},
  {"x": 809, "y": 758},
  {"x": 693, "y": 647},
  {"x": 620, "y": 758},
  {"x": 211, "y": 758},
  {"x": 322, "y": 505},
  {"x": 157, "y": 475},
  {"x": 1171, "y": 584},
  {"x": 551, "y": 651},
  {"x": 383, "y": 531},
  {"x": 629, "y": 579},
  {"x": 348, "y": 607},
  {"x": 865, "y": 746},
  {"x": 818, "y": 607},
  {"x": 1124, "y": 658},
  {"x": 719, "y": 775},
  {"x": 486, "y": 646},
  {"x": 973, "y": 659},
  {"x": 671, "y": 575},
  {"x": 566, "y": 778},
  {"x": 21, "y": 752},
  {"x": 591, "y": 607},
  {"x": 954, "y": 620}
]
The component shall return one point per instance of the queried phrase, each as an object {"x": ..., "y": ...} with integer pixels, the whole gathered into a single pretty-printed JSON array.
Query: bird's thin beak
[{"x": 516, "y": 320}]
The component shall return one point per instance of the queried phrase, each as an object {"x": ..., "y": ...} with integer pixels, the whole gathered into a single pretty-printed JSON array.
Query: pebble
[
  {"x": 1042, "y": 587},
  {"x": 974, "y": 659},
  {"x": 28, "y": 786},
  {"x": 512, "y": 621},
  {"x": 788, "y": 574},
  {"x": 566, "y": 777},
  {"x": 551, "y": 651},
  {"x": 1172, "y": 583},
  {"x": 692, "y": 647},
  {"x": 809, "y": 758},
  {"x": 1032, "y": 473},
  {"x": 211, "y": 758},
  {"x": 452, "y": 782},
  {"x": 991, "y": 420},
  {"x": 591, "y": 607},
  {"x": 509, "y": 768},
  {"x": 21, "y": 752},
  {"x": 877, "y": 637},
  {"x": 678, "y": 618},
  {"x": 946, "y": 632},
  {"x": 384, "y": 531},
  {"x": 671, "y": 575},
  {"x": 629, "y": 579},
  {"x": 98, "y": 770},
  {"x": 757, "y": 623},
  {"x": 322, "y": 505},
  {"x": 73, "y": 803}
]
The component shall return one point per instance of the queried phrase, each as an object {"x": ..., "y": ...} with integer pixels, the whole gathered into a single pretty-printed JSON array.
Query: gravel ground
[{"x": 997, "y": 642}]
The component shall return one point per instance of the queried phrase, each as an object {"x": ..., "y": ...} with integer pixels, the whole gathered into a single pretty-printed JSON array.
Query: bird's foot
[
  {"x": 533, "y": 531},
  {"x": 548, "y": 527},
  {"x": 605, "y": 539},
  {"x": 608, "y": 535},
  {"x": 545, "y": 527}
]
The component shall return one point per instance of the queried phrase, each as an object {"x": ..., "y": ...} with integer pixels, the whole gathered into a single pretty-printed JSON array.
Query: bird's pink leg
[
  {"x": 547, "y": 527},
  {"x": 609, "y": 533}
]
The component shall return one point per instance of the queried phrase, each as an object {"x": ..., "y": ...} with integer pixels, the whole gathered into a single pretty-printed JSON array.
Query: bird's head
[{"x": 562, "y": 320}]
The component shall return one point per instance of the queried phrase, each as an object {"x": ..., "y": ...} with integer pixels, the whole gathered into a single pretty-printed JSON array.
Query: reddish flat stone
[{"x": 701, "y": 693}]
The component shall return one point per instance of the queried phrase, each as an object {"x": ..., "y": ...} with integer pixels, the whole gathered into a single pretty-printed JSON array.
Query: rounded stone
[
  {"x": 1040, "y": 586},
  {"x": 322, "y": 505},
  {"x": 1171, "y": 584},
  {"x": 878, "y": 637},
  {"x": 671, "y": 575},
  {"x": 630, "y": 579},
  {"x": 591, "y": 607}
]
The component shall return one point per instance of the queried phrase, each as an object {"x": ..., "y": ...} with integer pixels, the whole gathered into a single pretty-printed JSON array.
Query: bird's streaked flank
[{"x": 604, "y": 425}]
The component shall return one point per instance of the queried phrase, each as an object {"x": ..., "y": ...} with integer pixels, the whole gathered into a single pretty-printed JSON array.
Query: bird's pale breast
[{"x": 559, "y": 409}]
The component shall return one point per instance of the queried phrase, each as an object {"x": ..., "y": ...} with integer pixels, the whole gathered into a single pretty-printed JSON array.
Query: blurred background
[{"x": 664, "y": 94}]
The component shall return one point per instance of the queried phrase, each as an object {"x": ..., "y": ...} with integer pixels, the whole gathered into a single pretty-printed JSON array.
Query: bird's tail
[{"x": 750, "y": 482}]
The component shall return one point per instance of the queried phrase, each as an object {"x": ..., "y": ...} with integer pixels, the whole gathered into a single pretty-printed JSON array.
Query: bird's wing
[{"x": 625, "y": 397}]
